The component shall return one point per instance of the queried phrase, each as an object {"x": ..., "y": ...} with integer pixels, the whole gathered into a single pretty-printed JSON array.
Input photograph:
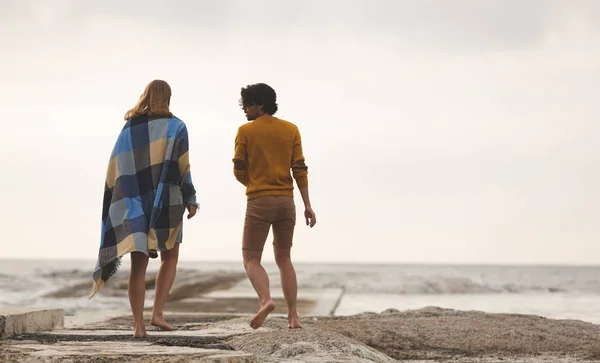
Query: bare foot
[
  {"x": 161, "y": 324},
  {"x": 293, "y": 322},
  {"x": 140, "y": 332},
  {"x": 259, "y": 318}
]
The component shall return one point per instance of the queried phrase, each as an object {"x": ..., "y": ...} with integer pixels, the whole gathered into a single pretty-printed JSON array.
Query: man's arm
[
  {"x": 299, "y": 168},
  {"x": 300, "y": 173},
  {"x": 240, "y": 160}
]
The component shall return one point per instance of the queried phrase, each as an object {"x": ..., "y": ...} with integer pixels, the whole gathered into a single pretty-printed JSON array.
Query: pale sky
[{"x": 435, "y": 131}]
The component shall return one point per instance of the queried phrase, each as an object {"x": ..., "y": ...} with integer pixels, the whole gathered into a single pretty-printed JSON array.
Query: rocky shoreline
[
  {"x": 212, "y": 314},
  {"x": 429, "y": 334}
]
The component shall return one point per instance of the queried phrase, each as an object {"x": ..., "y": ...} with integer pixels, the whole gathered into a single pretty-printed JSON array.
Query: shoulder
[
  {"x": 177, "y": 121},
  {"x": 285, "y": 122},
  {"x": 176, "y": 126},
  {"x": 126, "y": 126},
  {"x": 245, "y": 127},
  {"x": 135, "y": 121},
  {"x": 289, "y": 125}
]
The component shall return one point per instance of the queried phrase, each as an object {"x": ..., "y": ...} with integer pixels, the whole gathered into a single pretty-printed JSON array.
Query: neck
[{"x": 264, "y": 114}]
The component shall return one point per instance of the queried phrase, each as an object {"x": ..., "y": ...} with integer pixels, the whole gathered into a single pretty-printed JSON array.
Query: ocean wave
[
  {"x": 417, "y": 285},
  {"x": 9, "y": 283},
  {"x": 356, "y": 279},
  {"x": 63, "y": 274}
]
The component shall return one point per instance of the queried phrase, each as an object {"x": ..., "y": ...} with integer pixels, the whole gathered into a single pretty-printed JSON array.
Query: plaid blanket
[{"x": 148, "y": 186}]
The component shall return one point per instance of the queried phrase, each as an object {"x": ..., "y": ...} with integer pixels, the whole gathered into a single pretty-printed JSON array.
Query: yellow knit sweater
[{"x": 265, "y": 152}]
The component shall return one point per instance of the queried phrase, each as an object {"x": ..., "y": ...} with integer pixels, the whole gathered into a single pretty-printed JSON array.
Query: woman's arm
[{"x": 187, "y": 186}]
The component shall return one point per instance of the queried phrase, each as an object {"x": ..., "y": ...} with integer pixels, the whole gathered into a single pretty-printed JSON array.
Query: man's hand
[
  {"x": 311, "y": 218},
  {"x": 192, "y": 209}
]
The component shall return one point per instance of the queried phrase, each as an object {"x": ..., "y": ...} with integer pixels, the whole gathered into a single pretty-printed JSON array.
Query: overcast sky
[{"x": 461, "y": 131}]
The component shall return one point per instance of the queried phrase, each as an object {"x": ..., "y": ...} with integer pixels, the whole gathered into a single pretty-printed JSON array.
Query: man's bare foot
[
  {"x": 259, "y": 318},
  {"x": 293, "y": 322},
  {"x": 140, "y": 332},
  {"x": 162, "y": 324}
]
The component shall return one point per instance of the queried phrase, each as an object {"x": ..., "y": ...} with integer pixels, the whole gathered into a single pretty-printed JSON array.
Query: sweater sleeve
[
  {"x": 299, "y": 168},
  {"x": 240, "y": 159}
]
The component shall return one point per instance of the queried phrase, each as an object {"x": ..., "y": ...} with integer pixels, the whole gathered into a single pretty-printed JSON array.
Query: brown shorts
[{"x": 263, "y": 212}]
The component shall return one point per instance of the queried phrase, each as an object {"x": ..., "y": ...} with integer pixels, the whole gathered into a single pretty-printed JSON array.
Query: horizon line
[{"x": 348, "y": 262}]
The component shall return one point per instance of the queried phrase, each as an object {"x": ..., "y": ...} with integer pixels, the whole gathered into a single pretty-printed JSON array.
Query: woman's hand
[{"x": 192, "y": 209}]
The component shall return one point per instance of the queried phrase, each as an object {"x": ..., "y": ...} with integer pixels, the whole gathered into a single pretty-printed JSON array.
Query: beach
[
  {"x": 426, "y": 335},
  {"x": 211, "y": 305},
  {"x": 429, "y": 167},
  {"x": 559, "y": 292}
]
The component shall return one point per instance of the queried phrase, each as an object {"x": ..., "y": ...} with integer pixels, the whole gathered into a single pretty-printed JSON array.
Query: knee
[
  {"x": 139, "y": 261},
  {"x": 282, "y": 258},
  {"x": 171, "y": 256},
  {"x": 249, "y": 264},
  {"x": 250, "y": 261}
]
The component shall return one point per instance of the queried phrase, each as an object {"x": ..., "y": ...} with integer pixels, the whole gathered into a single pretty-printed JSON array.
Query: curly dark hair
[{"x": 260, "y": 94}]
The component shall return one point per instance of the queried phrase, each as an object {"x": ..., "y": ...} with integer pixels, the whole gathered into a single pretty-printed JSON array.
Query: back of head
[
  {"x": 260, "y": 94},
  {"x": 154, "y": 102}
]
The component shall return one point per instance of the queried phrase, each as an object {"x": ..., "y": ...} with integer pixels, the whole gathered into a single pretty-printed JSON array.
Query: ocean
[{"x": 560, "y": 292}]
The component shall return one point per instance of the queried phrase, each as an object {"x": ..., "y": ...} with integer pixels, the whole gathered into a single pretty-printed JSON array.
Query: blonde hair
[{"x": 154, "y": 102}]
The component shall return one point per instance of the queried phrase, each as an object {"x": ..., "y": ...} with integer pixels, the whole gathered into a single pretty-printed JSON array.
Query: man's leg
[
  {"x": 164, "y": 281},
  {"x": 288, "y": 284},
  {"x": 256, "y": 231},
  {"x": 137, "y": 292},
  {"x": 283, "y": 232},
  {"x": 260, "y": 281}
]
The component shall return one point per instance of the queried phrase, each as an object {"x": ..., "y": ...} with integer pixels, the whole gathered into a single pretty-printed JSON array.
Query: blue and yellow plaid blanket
[{"x": 148, "y": 186}]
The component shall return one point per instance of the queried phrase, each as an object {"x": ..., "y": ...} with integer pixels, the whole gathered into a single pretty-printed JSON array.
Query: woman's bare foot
[
  {"x": 162, "y": 324},
  {"x": 293, "y": 322},
  {"x": 259, "y": 318}
]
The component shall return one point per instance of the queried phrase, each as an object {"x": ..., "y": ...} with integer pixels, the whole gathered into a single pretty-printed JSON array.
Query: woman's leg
[
  {"x": 137, "y": 292},
  {"x": 164, "y": 281}
]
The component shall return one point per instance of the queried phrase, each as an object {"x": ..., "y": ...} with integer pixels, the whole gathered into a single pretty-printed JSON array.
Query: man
[{"x": 266, "y": 149}]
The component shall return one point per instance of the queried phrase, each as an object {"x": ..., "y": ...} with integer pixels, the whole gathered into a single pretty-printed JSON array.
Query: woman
[{"x": 148, "y": 187}]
